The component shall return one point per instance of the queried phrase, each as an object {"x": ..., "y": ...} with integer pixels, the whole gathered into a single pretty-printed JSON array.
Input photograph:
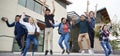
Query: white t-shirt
[{"x": 30, "y": 27}]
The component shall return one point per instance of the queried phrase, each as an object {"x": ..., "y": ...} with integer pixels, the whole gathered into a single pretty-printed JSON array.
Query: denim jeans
[
  {"x": 65, "y": 38},
  {"x": 107, "y": 47},
  {"x": 29, "y": 38}
]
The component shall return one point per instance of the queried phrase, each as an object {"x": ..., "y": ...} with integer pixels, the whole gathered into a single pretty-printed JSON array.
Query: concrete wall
[
  {"x": 7, "y": 9},
  {"x": 10, "y": 8}
]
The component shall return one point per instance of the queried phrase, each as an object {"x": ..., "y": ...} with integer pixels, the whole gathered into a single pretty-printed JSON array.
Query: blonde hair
[{"x": 34, "y": 20}]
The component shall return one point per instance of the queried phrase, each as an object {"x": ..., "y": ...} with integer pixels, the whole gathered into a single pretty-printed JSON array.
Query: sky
[{"x": 113, "y": 7}]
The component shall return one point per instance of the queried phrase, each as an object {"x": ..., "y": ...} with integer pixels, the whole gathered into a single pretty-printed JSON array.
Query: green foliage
[
  {"x": 114, "y": 44},
  {"x": 97, "y": 29},
  {"x": 97, "y": 34},
  {"x": 115, "y": 33}
]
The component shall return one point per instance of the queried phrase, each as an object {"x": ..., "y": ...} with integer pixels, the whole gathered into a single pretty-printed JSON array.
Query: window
[
  {"x": 32, "y": 5},
  {"x": 22, "y": 2},
  {"x": 38, "y": 8}
]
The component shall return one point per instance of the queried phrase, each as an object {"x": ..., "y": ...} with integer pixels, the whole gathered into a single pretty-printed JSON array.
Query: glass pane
[
  {"x": 16, "y": 47},
  {"x": 40, "y": 40},
  {"x": 38, "y": 8},
  {"x": 40, "y": 49},
  {"x": 30, "y": 4},
  {"x": 22, "y": 2}
]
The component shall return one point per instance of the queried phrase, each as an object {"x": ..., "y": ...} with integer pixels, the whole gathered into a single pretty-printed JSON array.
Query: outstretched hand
[
  {"x": 5, "y": 19},
  {"x": 53, "y": 2},
  {"x": 88, "y": 2}
]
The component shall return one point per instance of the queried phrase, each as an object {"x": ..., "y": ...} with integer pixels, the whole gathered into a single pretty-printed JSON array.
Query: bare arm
[
  {"x": 44, "y": 2},
  {"x": 53, "y": 7},
  {"x": 87, "y": 9},
  {"x": 8, "y": 24},
  {"x": 21, "y": 20},
  {"x": 96, "y": 10}
]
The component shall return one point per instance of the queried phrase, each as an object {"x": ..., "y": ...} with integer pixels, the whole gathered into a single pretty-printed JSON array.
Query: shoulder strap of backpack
[{"x": 59, "y": 25}]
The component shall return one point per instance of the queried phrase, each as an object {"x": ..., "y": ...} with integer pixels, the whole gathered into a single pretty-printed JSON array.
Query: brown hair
[{"x": 92, "y": 13}]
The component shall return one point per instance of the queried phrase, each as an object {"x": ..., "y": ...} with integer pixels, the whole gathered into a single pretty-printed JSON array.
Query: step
[{"x": 55, "y": 54}]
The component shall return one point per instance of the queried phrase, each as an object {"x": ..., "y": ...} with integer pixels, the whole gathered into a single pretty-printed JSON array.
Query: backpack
[{"x": 59, "y": 28}]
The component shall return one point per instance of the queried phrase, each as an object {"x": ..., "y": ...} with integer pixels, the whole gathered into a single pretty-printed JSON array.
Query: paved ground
[{"x": 55, "y": 54}]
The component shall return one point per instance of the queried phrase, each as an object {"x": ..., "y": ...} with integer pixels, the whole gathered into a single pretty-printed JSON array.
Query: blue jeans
[
  {"x": 29, "y": 38},
  {"x": 64, "y": 37},
  {"x": 107, "y": 47}
]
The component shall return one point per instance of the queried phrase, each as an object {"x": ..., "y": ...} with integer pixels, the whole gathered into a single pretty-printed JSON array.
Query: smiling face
[
  {"x": 105, "y": 28},
  {"x": 63, "y": 20},
  {"x": 31, "y": 21},
  {"x": 82, "y": 17},
  {"x": 91, "y": 14},
  {"x": 47, "y": 12},
  {"x": 17, "y": 19}
]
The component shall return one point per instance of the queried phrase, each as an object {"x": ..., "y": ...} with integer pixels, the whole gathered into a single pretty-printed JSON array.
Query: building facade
[{"x": 33, "y": 8}]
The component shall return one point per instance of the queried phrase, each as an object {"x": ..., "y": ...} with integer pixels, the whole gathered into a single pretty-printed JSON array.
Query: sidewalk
[{"x": 54, "y": 54}]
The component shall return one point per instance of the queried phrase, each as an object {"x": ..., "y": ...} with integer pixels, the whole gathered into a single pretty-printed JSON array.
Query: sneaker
[
  {"x": 67, "y": 51},
  {"x": 91, "y": 52},
  {"x": 46, "y": 52},
  {"x": 51, "y": 52},
  {"x": 82, "y": 52},
  {"x": 63, "y": 51},
  {"x": 32, "y": 53},
  {"x": 22, "y": 51}
]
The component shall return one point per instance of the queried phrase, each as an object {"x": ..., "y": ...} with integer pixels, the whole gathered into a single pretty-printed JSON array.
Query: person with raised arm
[
  {"x": 104, "y": 39},
  {"x": 91, "y": 15},
  {"x": 19, "y": 30},
  {"x": 32, "y": 28},
  {"x": 83, "y": 33},
  {"x": 49, "y": 28}
]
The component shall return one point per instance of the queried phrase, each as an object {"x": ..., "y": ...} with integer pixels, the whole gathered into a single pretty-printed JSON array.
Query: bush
[
  {"x": 114, "y": 44},
  {"x": 97, "y": 34}
]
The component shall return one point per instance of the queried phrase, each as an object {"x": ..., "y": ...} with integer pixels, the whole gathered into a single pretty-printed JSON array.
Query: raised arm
[
  {"x": 38, "y": 29},
  {"x": 21, "y": 20},
  {"x": 44, "y": 8},
  {"x": 54, "y": 25},
  {"x": 53, "y": 7},
  {"x": 87, "y": 10},
  {"x": 10, "y": 25},
  {"x": 96, "y": 10},
  {"x": 110, "y": 28},
  {"x": 5, "y": 19}
]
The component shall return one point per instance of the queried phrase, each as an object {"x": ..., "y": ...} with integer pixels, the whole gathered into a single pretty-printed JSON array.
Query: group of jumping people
[{"x": 86, "y": 30}]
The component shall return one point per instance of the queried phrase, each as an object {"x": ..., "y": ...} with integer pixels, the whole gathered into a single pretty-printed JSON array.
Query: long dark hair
[
  {"x": 103, "y": 27},
  {"x": 62, "y": 19}
]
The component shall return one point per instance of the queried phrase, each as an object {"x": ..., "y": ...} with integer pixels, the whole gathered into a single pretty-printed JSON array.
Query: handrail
[{"x": 6, "y": 36}]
